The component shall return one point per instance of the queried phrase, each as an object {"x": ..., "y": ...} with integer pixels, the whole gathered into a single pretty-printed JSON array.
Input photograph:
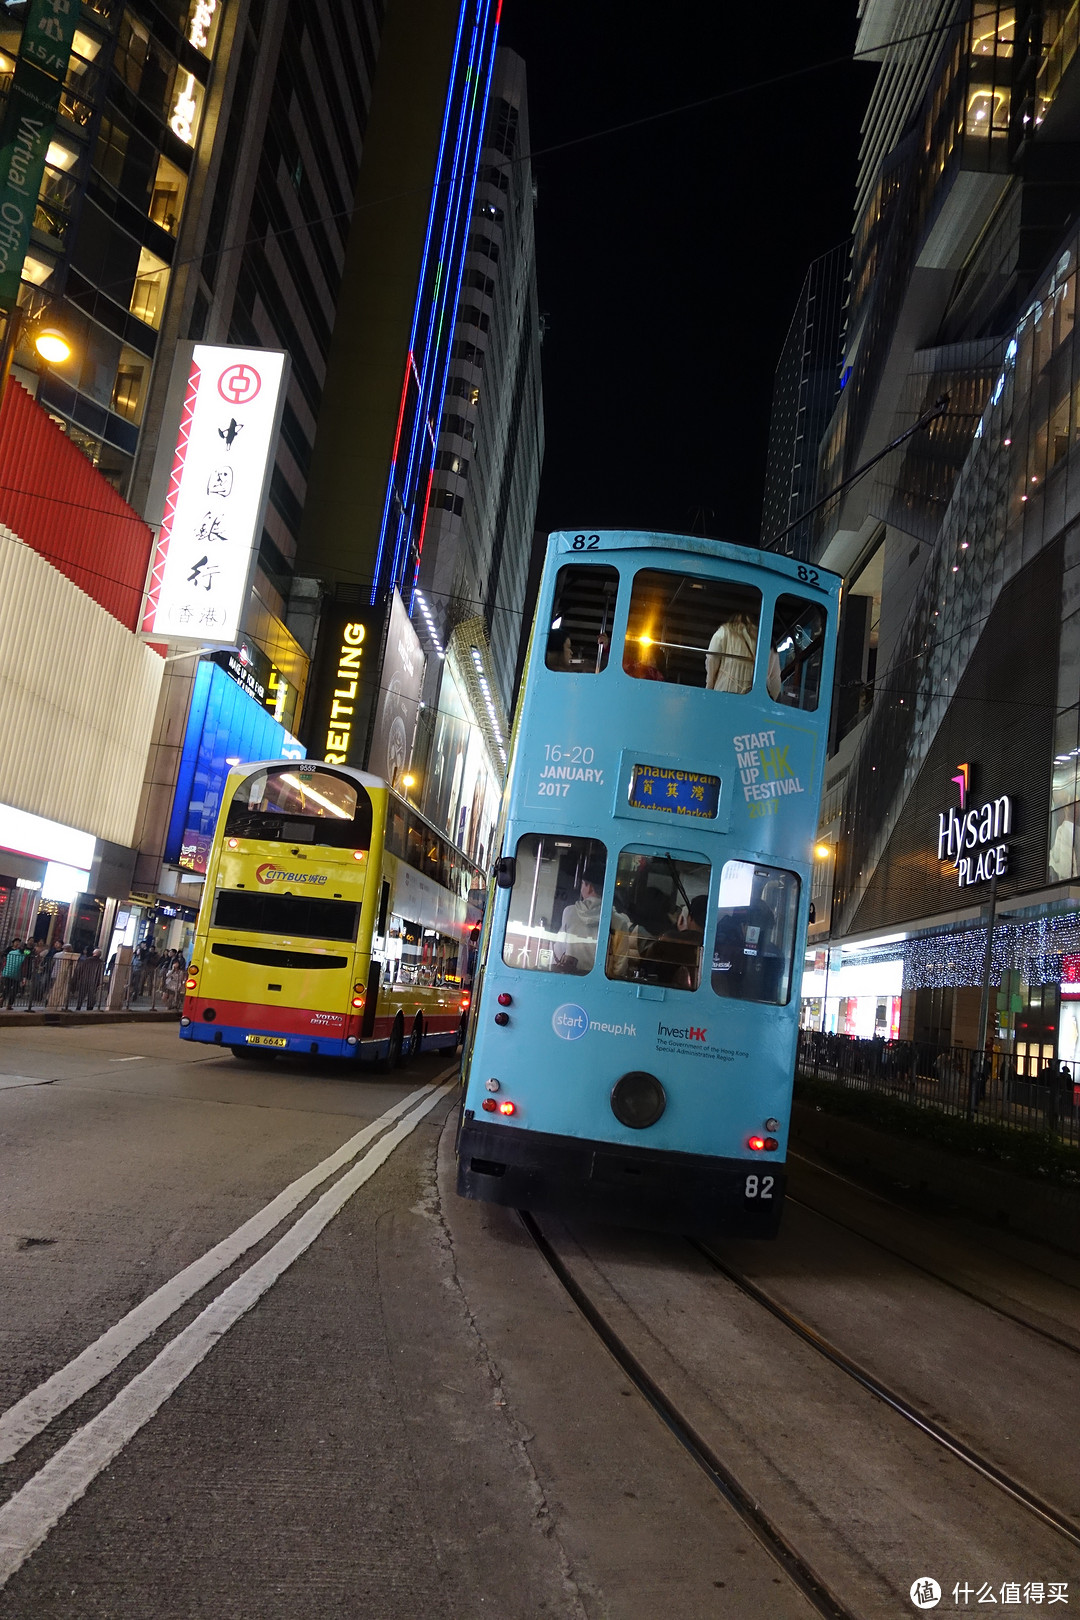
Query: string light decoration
[{"x": 954, "y": 960}]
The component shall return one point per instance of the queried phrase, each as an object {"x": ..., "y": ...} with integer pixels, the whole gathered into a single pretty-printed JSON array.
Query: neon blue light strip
[
  {"x": 451, "y": 222},
  {"x": 422, "y": 281},
  {"x": 475, "y": 175},
  {"x": 470, "y": 121}
]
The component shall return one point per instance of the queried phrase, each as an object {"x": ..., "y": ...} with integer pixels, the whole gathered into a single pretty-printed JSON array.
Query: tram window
[
  {"x": 579, "y": 639},
  {"x": 692, "y": 631},
  {"x": 554, "y": 921},
  {"x": 658, "y": 918},
  {"x": 755, "y": 933},
  {"x": 798, "y": 640}
]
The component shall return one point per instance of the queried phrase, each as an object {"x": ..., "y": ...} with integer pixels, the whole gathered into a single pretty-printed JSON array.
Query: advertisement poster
[{"x": 399, "y": 698}]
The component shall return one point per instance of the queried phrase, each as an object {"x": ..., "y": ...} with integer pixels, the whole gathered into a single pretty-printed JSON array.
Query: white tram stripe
[
  {"x": 35, "y": 1411},
  {"x": 27, "y": 1518}
]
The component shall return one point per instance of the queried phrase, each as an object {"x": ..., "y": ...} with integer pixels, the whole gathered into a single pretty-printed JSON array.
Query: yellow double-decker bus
[{"x": 335, "y": 920}]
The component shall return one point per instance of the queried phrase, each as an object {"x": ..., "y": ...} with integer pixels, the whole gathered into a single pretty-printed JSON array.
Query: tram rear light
[
  {"x": 505, "y": 1000},
  {"x": 489, "y": 1105},
  {"x": 506, "y": 1108},
  {"x": 763, "y": 1144},
  {"x": 502, "y": 1018}
]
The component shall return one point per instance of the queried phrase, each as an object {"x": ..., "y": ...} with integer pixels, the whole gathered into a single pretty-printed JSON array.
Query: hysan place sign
[{"x": 974, "y": 840}]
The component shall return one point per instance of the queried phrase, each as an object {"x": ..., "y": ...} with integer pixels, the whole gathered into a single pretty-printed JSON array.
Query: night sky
[{"x": 670, "y": 256}]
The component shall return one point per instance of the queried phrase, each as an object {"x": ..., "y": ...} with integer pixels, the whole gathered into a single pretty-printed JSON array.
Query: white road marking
[
  {"x": 9, "y": 1082},
  {"x": 21, "y": 1422},
  {"x": 128, "y": 1060},
  {"x": 29, "y": 1515}
]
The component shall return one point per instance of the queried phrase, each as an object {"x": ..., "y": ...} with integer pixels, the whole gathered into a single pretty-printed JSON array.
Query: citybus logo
[
  {"x": 269, "y": 873},
  {"x": 570, "y": 1022}
]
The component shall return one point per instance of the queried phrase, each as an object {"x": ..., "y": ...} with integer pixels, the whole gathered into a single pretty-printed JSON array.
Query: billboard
[
  {"x": 399, "y": 697},
  {"x": 214, "y": 506}
]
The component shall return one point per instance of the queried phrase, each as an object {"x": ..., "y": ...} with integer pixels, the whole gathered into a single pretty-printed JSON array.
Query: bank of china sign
[
  {"x": 214, "y": 505},
  {"x": 974, "y": 838}
]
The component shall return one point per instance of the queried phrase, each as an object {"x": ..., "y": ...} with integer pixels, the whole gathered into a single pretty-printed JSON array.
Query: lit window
[{"x": 151, "y": 282}]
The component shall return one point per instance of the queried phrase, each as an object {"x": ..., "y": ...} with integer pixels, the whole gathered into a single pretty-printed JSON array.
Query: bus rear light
[
  {"x": 191, "y": 984},
  {"x": 358, "y": 854},
  {"x": 359, "y": 987},
  {"x": 465, "y": 1000},
  {"x": 763, "y": 1144},
  {"x": 194, "y": 968},
  {"x": 358, "y": 1001},
  {"x": 507, "y": 1107}
]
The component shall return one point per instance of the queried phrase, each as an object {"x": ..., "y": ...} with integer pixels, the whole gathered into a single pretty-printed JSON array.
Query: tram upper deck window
[
  {"x": 579, "y": 639},
  {"x": 291, "y": 803},
  {"x": 798, "y": 641},
  {"x": 754, "y": 942},
  {"x": 658, "y": 918},
  {"x": 554, "y": 920},
  {"x": 692, "y": 631}
]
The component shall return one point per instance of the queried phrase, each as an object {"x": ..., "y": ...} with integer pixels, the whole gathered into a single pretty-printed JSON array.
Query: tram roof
[{"x": 650, "y": 539}]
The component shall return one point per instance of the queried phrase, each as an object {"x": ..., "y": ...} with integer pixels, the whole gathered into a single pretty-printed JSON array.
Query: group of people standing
[{"x": 32, "y": 969}]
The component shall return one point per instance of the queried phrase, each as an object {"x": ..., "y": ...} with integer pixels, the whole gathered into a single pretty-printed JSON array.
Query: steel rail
[
  {"x": 749, "y": 1510},
  {"x": 928, "y": 1271},
  {"x": 935, "y": 1431}
]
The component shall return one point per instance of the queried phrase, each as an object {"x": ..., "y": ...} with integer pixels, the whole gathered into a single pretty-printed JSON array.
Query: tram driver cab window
[
  {"x": 554, "y": 920},
  {"x": 693, "y": 631},
  {"x": 583, "y": 611},
  {"x": 754, "y": 943},
  {"x": 658, "y": 918}
]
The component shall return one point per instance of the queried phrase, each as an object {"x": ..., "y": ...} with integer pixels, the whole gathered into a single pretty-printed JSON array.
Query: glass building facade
[{"x": 958, "y": 701}]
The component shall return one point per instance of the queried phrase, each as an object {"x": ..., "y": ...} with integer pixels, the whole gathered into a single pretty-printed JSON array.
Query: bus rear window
[
  {"x": 290, "y": 916},
  {"x": 755, "y": 933},
  {"x": 579, "y": 639},
  {"x": 295, "y": 802},
  {"x": 692, "y": 631}
]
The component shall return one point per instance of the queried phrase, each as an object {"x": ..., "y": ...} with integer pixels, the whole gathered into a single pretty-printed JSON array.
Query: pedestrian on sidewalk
[
  {"x": 86, "y": 980},
  {"x": 13, "y": 972}
]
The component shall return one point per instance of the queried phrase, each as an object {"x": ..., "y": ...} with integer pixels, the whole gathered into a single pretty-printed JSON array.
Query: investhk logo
[{"x": 570, "y": 1021}]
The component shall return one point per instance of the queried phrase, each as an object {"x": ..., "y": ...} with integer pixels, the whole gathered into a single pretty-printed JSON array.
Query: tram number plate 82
[{"x": 758, "y": 1187}]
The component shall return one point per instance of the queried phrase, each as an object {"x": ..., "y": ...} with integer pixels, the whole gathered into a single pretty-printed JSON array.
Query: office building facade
[{"x": 952, "y": 785}]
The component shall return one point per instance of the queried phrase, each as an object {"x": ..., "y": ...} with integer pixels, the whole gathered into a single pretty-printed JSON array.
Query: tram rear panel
[{"x": 633, "y": 1038}]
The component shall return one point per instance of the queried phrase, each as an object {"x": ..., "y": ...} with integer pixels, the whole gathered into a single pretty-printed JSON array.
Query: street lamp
[
  {"x": 825, "y": 852},
  {"x": 407, "y": 782},
  {"x": 49, "y": 341}
]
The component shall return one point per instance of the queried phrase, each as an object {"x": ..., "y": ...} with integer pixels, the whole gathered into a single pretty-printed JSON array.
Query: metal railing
[
  {"x": 995, "y": 1088},
  {"x": 76, "y": 984}
]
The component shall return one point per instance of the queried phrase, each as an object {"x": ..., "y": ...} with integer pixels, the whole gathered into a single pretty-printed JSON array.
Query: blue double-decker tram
[{"x": 633, "y": 1037}]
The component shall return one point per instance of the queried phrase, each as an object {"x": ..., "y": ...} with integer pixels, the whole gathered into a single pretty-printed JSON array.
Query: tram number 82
[
  {"x": 758, "y": 1187},
  {"x": 585, "y": 542}
]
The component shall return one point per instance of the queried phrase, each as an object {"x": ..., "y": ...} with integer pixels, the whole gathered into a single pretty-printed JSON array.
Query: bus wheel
[
  {"x": 413, "y": 1048},
  {"x": 393, "y": 1051}
]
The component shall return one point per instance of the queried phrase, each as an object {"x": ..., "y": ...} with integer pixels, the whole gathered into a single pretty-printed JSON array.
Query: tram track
[
  {"x": 821, "y": 1592},
  {"x": 930, "y": 1427},
  {"x": 938, "y": 1276},
  {"x": 749, "y": 1509}
]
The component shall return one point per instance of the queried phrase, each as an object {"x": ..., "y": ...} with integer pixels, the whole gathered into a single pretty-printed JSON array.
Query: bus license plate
[{"x": 266, "y": 1040}]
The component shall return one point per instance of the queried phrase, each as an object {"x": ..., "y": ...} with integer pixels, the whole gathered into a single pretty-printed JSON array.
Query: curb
[{"x": 24, "y": 1020}]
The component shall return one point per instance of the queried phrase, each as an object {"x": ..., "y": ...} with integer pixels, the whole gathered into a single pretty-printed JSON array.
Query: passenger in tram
[
  {"x": 575, "y": 949},
  {"x": 729, "y": 662}
]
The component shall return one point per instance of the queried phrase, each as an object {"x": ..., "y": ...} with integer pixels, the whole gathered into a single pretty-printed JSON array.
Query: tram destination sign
[
  {"x": 974, "y": 838},
  {"x": 681, "y": 793}
]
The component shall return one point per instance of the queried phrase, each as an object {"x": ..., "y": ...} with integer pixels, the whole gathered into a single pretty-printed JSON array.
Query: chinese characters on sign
[
  {"x": 213, "y": 509},
  {"x": 683, "y": 793}
]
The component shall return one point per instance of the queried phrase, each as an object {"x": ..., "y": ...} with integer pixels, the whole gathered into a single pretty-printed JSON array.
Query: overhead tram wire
[{"x": 775, "y": 81}]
